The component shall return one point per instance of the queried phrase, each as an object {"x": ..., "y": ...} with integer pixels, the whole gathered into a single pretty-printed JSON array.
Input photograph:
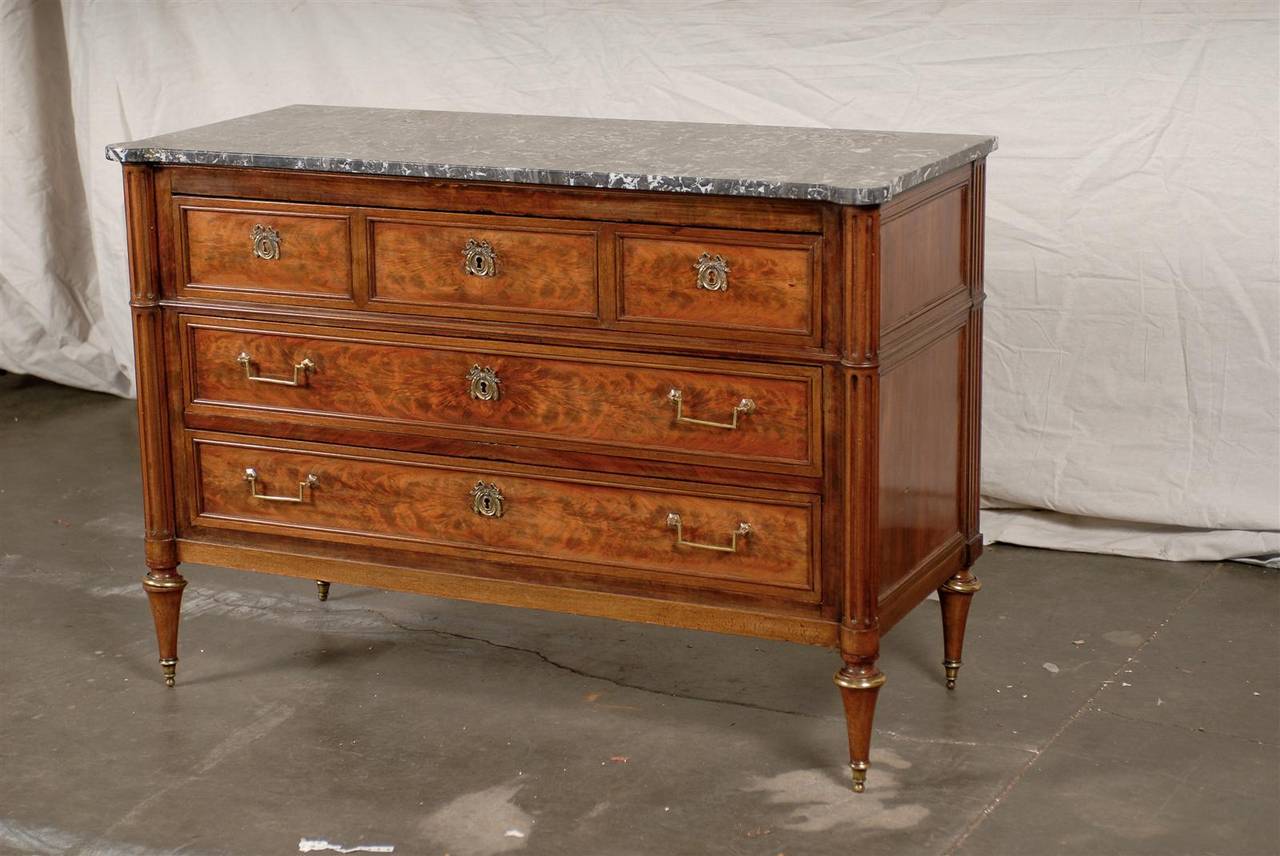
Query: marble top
[{"x": 849, "y": 167}]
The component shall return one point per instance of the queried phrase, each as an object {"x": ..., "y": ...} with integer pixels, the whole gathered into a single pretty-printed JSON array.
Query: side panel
[
  {"x": 929, "y": 354},
  {"x": 920, "y": 436},
  {"x": 925, "y": 255}
]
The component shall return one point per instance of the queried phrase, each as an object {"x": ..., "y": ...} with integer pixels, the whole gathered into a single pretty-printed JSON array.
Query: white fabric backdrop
[{"x": 1133, "y": 321}]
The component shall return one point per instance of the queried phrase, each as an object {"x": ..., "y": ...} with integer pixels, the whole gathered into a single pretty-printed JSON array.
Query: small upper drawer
[
  {"x": 722, "y": 284},
  {"x": 482, "y": 266},
  {"x": 268, "y": 250}
]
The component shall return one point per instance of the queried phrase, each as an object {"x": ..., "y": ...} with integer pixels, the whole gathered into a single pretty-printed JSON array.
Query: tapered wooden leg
[
  {"x": 859, "y": 686},
  {"x": 322, "y": 590},
  {"x": 955, "y": 595},
  {"x": 164, "y": 591}
]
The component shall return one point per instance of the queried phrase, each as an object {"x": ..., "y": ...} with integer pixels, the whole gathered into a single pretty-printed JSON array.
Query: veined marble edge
[{"x": 872, "y": 194}]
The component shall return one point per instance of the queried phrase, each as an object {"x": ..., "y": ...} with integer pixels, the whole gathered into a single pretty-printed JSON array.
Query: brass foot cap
[
  {"x": 163, "y": 584},
  {"x": 952, "y": 667},
  {"x": 848, "y": 679},
  {"x": 170, "y": 671},
  {"x": 322, "y": 590},
  {"x": 859, "y": 771},
  {"x": 962, "y": 585}
]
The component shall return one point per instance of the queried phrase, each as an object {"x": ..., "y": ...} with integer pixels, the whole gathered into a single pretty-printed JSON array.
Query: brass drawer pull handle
[
  {"x": 744, "y": 407},
  {"x": 485, "y": 385},
  {"x": 674, "y": 521},
  {"x": 300, "y": 372},
  {"x": 713, "y": 272},
  {"x": 266, "y": 242},
  {"x": 481, "y": 260},
  {"x": 251, "y": 476},
  {"x": 486, "y": 500}
]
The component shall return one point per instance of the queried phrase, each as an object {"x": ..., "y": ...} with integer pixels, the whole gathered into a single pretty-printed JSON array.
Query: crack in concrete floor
[
  {"x": 614, "y": 681},
  {"x": 331, "y": 609}
]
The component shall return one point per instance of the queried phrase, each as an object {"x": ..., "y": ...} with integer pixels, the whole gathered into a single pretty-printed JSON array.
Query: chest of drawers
[{"x": 717, "y": 377}]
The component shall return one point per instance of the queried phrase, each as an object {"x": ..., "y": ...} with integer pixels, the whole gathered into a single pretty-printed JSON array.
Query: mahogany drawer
[
  {"x": 732, "y": 414},
  {"x": 719, "y": 283},
  {"x": 507, "y": 267},
  {"x": 264, "y": 250},
  {"x": 705, "y": 536}
]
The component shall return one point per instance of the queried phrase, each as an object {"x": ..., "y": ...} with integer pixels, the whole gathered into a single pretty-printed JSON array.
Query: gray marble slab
[{"x": 850, "y": 167}]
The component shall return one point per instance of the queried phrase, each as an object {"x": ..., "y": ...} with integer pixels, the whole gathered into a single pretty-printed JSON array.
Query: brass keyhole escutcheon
[
  {"x": 481, "y": 260},
  {"x": 713, "y": 272},
  {"x": 485, "y": 385},
  {"x": 266, "y": 242},
  {"x": 486, "y": 500}
]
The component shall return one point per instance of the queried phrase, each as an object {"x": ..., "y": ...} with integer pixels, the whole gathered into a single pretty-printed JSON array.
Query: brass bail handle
[
  {"x": 300, "y": 372},
  {"x": 742, "y": 408},
  {"x": 675, "y": 522},
  {"x": 304, "y": 488}
]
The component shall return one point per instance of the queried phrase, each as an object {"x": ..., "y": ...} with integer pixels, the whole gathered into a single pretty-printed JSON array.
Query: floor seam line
[
  {"x": 991, "y": 806},
  {"x": 1188, "y": 729}
]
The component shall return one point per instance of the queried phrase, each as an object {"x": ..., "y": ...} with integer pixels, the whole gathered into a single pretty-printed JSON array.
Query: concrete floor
[{"x": 1106, "y": 705}]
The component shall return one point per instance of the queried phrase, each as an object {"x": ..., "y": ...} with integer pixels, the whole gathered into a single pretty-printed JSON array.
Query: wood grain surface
[
  {"x": 541, "y": 269},
  {"x": 315, "y": 249},
  {"x": 772, "y": 282},
  {"x": 924, "y": 254},
  {"x": 556, "y": 516},
  {"x": 579, "y": 396}
]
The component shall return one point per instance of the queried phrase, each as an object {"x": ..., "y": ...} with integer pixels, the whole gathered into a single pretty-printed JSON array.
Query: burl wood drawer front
[
  {"x": 722, "y": 284},
  {"x": 264, "y": 250},
  {"x": 499, "y": 266},
  {"x": 703, "y": 534},
  {"x": 732, "y": 414}
]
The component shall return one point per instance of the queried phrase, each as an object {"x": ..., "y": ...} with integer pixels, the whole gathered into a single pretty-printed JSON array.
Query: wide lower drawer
[
  {"x": 701, "y": 535},
  {"x": 728, "y": 414}
]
